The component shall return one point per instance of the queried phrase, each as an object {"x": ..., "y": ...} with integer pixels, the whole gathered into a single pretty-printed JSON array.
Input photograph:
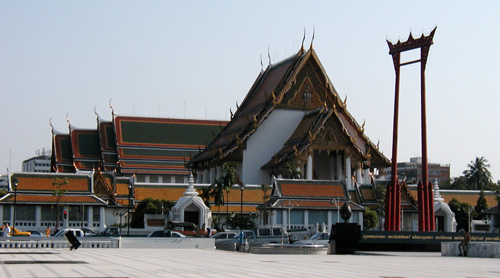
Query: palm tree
[{"x": 478, "y": 175}]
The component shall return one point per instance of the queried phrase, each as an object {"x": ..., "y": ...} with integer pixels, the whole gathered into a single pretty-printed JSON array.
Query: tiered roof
[
  {"x": 39, "y": 189},
  {"x": 306, "y": 194},
  {"x": 297, "y": 83},
  {"x": 132, "y": 145}
]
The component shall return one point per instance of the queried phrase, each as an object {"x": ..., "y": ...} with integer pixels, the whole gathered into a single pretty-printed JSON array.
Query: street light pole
[
  {"x": 242, "y": 187},
  {"x": 15, "y": 182},
  {"x": 128, "y": 215}
]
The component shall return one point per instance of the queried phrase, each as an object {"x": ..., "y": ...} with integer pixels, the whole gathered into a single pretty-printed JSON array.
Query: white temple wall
[{"x": 266, "y": 141}]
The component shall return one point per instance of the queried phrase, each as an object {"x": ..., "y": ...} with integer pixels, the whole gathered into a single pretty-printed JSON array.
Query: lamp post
[
  {"x": 15, "y": 182},
  {"x": 469, "y": 210},
  {"x": 128, "y": 215},
  {"x": 336, "y": 202},
  {"x": 242, "y": 187}
]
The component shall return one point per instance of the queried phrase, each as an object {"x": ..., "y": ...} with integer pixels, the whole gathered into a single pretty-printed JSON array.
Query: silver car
[{"x": 320, "y": 238}]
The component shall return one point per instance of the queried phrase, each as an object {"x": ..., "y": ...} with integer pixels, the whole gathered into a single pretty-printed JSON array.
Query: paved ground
[{"x": 211, "y": 263}]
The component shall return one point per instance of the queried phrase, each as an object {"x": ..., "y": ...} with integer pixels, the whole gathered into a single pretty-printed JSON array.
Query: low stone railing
[
  {"x": 18, "y": 242},
  {"x": 474, "y": 249}
]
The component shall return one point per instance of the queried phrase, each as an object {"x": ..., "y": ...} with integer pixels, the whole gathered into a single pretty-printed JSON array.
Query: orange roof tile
[{"x": 312, "y": 190}]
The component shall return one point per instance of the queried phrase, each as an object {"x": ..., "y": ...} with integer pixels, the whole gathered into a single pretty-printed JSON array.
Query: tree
[
  {"x": 265, "y": 188},
  {"x": 59, "y": 192},
  {"x": 370, "y": 219},
  {"x": 461, "y": 213},
  {"x": 380, "y": 193},
  {"x": 149, "y": 206},
  {"x": 291, "y": 171},
  {"x": 222, "y": 185},
  {"x": 478, "y": 176},
  {"x": 481, "y": 205}
]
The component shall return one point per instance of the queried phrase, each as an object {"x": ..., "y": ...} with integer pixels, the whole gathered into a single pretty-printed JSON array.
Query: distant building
[
  {"x": 412, "y": 171},
  {"x": 39, "y": 163}
]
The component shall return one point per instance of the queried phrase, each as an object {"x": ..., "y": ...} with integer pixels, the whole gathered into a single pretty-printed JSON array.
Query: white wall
[{"x": 266, "y": 141}]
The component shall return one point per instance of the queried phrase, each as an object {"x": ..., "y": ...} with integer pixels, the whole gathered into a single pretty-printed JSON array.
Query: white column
[
  {"x": 367, "y": 176},
  {"x": 212, "y": 175},
  {"x": 219, "y": 171},
  {"x": 198, "y": 177},
  {"x": 339, "y": 166},
  {"x": 38, "y": 216},
  {"x": 306, "y": 218},
  {"x": 359, "y": 177},
  {"x": 90, "y": 219},
  {"x": 309, "y": 172},
  {"x": 329, "y": 220},
  {"x": 205, "y": 176},
  {"x": 102, "y": 217},
  {"x": 331, "y": 163},
  {"x": 348, "y": 174}
]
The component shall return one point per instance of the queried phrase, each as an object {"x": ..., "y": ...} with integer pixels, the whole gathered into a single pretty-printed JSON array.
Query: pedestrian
[
  {"x": 6, "y": 230},
  {"x": 464, "y": 244}
]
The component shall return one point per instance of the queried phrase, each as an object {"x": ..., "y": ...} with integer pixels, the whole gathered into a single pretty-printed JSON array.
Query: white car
[
  {"x": 321, "y": 238},
  {"x": 223, "y": 236},
  {"x": 165, "y": 233},
  {"x": 76, "y": 232}
]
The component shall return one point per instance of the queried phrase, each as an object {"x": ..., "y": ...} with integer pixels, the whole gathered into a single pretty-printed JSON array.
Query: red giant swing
[{"x": 393, "y": 193}]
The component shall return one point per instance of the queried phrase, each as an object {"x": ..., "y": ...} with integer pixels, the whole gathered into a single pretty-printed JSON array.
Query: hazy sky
[{"x": 196, "y": 59}]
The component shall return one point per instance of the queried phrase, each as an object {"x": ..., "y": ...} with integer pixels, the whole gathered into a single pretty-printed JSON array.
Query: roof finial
[
  {"x": 50, "y": 122},
  {"x": 112, "y": 109},
  {"x": 261, "y": 65},
  {"x": 303, "y": 39},
  {"x": 67, "y": 118},
  {"x": 95, "y": 111},
  {"x": 314, "y": 31},
  {"x": 269, "y": 55}
]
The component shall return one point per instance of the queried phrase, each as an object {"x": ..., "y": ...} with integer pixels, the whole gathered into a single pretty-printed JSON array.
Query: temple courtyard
[{"x": 121, "y": 262}]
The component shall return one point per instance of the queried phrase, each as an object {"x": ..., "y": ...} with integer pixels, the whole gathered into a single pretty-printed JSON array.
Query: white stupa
[{"x": 191, "y": 208}]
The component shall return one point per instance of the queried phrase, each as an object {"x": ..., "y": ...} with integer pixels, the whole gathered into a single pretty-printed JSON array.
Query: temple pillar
[
  {"x": 309, "y": 171},
  {"x": 348, "y": 174},
  {"x": 205, "y": 176},
  {"x": 331, "y": 164},
  {"x": 359, "y": 177},
  {"x": 219, "y": 171},
  {"x": 212, "y": 175},
  {"x": 367, "y": 176},
  {"x": 339, "y": 166}
]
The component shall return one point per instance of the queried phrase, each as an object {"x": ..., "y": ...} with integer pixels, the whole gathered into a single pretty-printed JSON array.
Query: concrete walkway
[{"x": 123, "y": 262}]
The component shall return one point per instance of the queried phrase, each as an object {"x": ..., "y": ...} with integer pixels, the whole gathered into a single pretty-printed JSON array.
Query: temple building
[{"x": 293, "y": 124}]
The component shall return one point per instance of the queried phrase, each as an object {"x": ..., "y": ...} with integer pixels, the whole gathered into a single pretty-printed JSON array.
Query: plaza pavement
[{"x": 157, "y": 262}]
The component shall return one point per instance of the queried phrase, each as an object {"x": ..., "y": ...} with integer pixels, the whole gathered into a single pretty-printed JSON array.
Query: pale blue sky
[{"x": 196, "y": 59}]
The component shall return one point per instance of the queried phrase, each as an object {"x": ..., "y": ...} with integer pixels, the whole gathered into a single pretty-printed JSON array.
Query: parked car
[
  {"x": 16, "y": 232},
  {"x": 254, "y": 238},
  {"x": 108, "y": 232},
  {"x": 34, "y": 233},
  {"x": 76, "y": 232},
  {"x": 166, "y": 233},
  {"x": 320, "y": 238},
  {"x": 223, "y": 236},
  {"x": 271, "y": 234}
]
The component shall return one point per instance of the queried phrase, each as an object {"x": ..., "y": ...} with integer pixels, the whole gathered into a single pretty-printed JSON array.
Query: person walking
[{"x": 6, "y": 230}]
